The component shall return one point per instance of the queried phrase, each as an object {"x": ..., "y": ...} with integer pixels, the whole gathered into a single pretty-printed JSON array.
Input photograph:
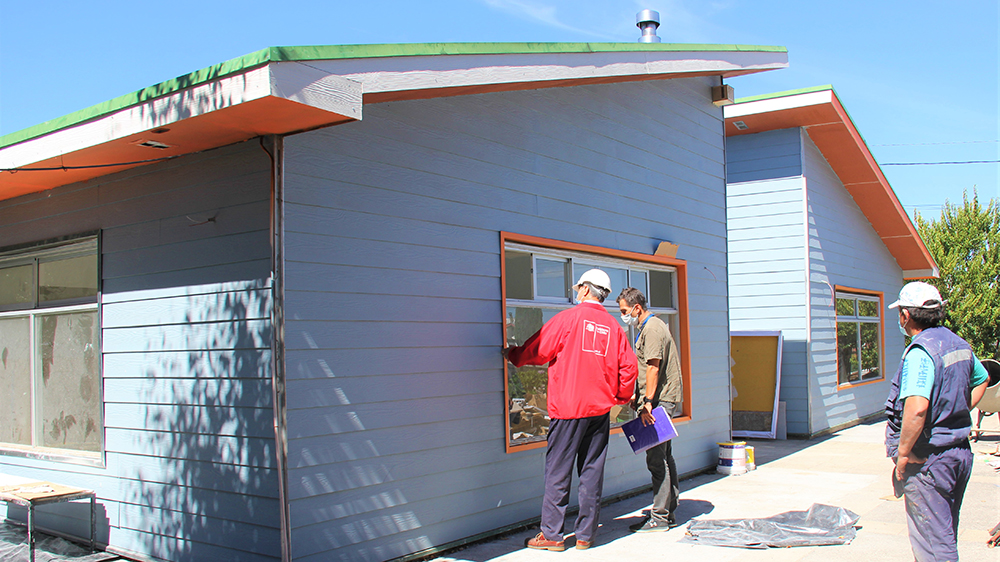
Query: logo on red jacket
[{"x": 596, "y": 338}]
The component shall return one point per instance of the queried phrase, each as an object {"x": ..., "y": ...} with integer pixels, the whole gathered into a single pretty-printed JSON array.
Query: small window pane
[
  {"x": 528, "y": 385},
  {"x": 70, "y": 385},
  {"x": 661, "y": 289},
  {"x": 847, "y": 352},
  {"x": 619, "y": 280},
  {"x": 637, "y": 279},
  {"x": 870, "y": 363},
  {"x": 868, "y": 309},
  {"x": 72, "y": 278},
  {"x": 17, "y": 285},
  {"x": 15, "y": 382},
  {"x": 517, "y": 269},
  {"x": 552, "y": 278},
  {"x": 845, "y": 307}
]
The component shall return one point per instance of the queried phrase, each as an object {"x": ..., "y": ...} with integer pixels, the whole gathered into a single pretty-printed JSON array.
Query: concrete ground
[{"x": 847, "y": 469}]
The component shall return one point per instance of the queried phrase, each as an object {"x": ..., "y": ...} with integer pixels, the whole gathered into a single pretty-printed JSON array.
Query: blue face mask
[{"x": 902, "y": 330}]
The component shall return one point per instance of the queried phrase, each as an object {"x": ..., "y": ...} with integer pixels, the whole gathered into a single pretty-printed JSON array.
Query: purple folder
[{"x": 641, "y": 437}]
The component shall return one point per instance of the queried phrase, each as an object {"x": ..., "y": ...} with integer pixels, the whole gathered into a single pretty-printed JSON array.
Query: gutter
[{"x": 277, "y": 155}]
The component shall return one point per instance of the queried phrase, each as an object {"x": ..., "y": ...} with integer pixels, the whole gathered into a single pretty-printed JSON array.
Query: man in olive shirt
[{"x": 659, "y": 384}]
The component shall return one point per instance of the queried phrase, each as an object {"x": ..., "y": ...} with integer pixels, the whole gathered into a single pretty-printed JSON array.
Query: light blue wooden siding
[
  {"x": 763, "y": 156},
  {"x": 395, "y": 381},
  {"x": 844, "y": 250},
  {"x": 190, "y": 460},
  {"x": 767, "y": 254}
]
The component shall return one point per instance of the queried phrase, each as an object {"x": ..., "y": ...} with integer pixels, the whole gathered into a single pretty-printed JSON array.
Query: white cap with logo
[
  {"x": 595, "y": 277},
  {"x": 915, "y": 294}
]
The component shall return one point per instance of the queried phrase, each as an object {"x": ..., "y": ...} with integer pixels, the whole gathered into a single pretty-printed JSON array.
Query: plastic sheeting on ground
[
  {"x": 820, "y": 525},
  {"x": 14, "y": 547}
]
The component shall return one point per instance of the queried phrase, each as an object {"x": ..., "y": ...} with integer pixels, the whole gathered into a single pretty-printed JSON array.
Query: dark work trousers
[
  {"x": 933, "y": 494},
  {"x": 663, "y": 469},
  {"x": 584, "y": 441}
]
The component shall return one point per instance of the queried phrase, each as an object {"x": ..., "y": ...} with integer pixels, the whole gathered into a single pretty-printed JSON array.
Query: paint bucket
[
  {"x": 751, "y": 462},
  {"x": 732, "y": 457}
]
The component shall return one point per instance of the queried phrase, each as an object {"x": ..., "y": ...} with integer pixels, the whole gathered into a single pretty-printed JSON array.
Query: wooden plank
[
  {"x": 211, "y": 364},
  {"x": 234, "y": 507},
  {"x": 320, "y": 393},
  {"x": 212, "y": 475},
  {"x": 769, "y": 209},
  {"x": 372, "y": 253},
  {"x": 336, "y": 306},
  {"x": 375, "y": 335},
  {"x": 378, "y": 473},
  {"x": 247, "y": 334},
  {"x": 239, "y": 393},
  {"x": 330, "y": 451},
  {"x": 212, "y": 307},
  {"x": 208, "y": 252},
  {"x": 311, "y": 219},
  {"x": 238, "y": 540},
  {"x": 484, "y": 214},
  {"x": 765, "y": 232},
  {"x": 374, "y": 281},
  {"x": 256, "y": 271},
  {"x": 791, "y": 265},
  {"x": 358, "y": 362},
  {"x": 139, "y": 543},
  {"x": 194, "y": 224},
  {"x": 410, "y": 517},
  {"x": 392, "y": 412},
  {"x": 227, "y": 449},
  {"x": 188, "y": 418}
]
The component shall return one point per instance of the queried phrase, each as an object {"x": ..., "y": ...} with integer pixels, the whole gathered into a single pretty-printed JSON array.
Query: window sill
[{"x": 83, "y": 458}]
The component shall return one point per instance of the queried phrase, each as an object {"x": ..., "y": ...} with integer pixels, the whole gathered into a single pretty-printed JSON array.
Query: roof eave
[
  {"x": 284, "y": 90},
  {"x": 820, "y": 112}
]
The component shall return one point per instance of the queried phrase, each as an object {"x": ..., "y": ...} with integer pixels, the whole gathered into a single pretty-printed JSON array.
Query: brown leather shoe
[
  {"x": 584, "y": 545},
  {"x": 539, "y": 542}
]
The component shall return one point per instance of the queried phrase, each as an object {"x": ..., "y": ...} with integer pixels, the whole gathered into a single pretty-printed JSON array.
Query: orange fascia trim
[
  {"x": 833, "y": 132},
  {"x": 881, "y": 328},
  {"x": 684, "y": 343}
]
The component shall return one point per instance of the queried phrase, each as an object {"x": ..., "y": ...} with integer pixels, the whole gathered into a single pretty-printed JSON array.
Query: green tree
[{"x": 965, "y": 243}]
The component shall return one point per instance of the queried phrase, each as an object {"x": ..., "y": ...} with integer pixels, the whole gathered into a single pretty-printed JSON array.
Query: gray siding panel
[
  {"x": 189, "y": 442},
  {"x": 393, "y": 295},
  {"x": 763, "y": 156},
  {"x": 844, "y": 250},
  {"x": 767, "y": 253}
]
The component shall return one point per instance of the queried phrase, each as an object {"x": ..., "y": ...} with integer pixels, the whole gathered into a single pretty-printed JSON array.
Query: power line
[
  {"x": 939, "y": 163},
  {"x": 940, "y": 143}
]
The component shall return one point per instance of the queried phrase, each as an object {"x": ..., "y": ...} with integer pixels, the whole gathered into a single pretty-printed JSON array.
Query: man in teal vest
[{"x": 927, "y": 433}]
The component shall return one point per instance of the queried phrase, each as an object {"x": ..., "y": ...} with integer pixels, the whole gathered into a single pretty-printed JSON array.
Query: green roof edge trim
[
  {"x": 786, "y": 93},
  {"x": 334, "y": 52}
]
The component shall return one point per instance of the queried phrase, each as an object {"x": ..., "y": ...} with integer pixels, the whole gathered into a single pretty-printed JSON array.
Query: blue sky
[{"x": 919, "y": 78}]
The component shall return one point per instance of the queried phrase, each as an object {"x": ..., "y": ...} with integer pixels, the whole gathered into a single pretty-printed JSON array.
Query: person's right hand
[{"x": 646, "y": 414}]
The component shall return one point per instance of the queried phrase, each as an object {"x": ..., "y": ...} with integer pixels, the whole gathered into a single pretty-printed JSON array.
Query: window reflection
[
  {"x": 527, "y": 386},
  {"x": 551, "y": 278},
  {"x": 859, "y": 346}
]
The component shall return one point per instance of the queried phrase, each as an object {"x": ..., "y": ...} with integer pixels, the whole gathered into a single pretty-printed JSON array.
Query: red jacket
[{"x": 591, "y": 365}]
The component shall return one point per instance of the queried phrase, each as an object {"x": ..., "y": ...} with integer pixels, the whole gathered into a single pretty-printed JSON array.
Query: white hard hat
[
  {"x": 595, "y": 277},
  {"x": 915, "y": 294}
]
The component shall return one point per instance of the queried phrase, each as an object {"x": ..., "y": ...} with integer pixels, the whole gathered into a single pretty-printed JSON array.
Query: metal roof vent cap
[{"x": 648, "y": 21}]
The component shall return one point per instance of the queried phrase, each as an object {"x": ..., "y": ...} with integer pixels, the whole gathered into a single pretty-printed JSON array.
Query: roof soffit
[{"x": 833, "y": 132}]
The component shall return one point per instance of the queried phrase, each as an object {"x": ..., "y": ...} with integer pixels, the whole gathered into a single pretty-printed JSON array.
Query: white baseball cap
[
  {"x": 595, "y": 277},
  {"x": 915, "y": 294}
]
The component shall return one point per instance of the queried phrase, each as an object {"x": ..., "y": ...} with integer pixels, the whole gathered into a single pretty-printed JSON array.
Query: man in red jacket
[{"x": 591, "y": 369}]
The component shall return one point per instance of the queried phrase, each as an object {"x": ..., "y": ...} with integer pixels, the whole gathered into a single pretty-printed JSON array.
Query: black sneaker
[
  {"x": 642, "y": 523},
  {"x": 653, "y": 525}
]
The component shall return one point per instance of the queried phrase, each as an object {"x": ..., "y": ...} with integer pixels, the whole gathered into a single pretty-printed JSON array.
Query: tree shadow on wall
[{"x": 209, "y": 489}]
